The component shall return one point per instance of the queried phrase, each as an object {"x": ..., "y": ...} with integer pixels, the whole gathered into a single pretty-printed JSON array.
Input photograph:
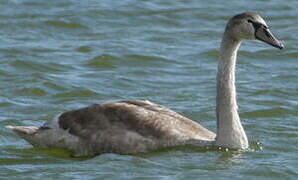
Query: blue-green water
[{"x": 64, "y": 54}]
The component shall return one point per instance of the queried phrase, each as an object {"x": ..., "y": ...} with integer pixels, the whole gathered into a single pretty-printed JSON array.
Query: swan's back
[{"x": 118, "y": 127}]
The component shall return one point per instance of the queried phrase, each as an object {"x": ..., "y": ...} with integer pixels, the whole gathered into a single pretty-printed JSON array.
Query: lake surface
[{"x": 64, "y": 54}]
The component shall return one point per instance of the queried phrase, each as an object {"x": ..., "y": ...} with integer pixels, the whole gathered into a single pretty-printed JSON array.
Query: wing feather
[{"x": 143, "y": 117}]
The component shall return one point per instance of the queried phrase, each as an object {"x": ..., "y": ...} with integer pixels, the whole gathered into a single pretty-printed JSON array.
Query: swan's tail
[
  {"x": 23, "y": 130},
  {"x": 29, "y": 133},
  {"x": 47, "y": 137}
]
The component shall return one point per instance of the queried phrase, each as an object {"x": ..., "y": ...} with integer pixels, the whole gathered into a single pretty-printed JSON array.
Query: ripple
[
  {"x": 5, "y": 104},
  {"x": 84, "y": 49},
  {"x": 63, "y": 24},
  {"x": 265, "y": 113},
  {"x": 211, "y": 53},
  {"x": 104, "y": 61},
  {"x": 268, "y": 102},
  {"x": 3, "y": 73},
  {"x": 293, "y": 54},
  {"x": 11, "y": 50},
  {"x": 54, "y": 86},
  {"x": 266, "y": 54},
  {"x": 146, "y": 58},
  {"x": 268, "y": 91},
  {"x": 45, "y": 50},
  {"x": 31, "y": 65},
  {"x": 287, "y": 77},
  {"x": 77, "y": 93},
  {"x": 255, "y": 146},
  {"x": 32, "y": 92}
]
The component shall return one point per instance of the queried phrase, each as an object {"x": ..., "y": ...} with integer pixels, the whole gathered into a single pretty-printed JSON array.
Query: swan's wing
[
  {"x": 119, "y": 127},
  {"x": 142, "y": 117}
]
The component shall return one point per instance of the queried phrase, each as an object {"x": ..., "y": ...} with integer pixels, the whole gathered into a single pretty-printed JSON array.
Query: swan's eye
[{"x": 250, "y": 21}]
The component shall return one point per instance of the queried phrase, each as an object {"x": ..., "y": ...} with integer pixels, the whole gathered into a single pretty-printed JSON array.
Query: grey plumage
[{"x": 120, "y": 127}]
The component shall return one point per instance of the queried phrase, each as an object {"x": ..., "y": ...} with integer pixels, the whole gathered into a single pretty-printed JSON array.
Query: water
[{"x": 61, "y": 55}]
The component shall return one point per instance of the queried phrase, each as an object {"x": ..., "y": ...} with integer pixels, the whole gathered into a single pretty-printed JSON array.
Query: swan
[{"x": 134, "y": 126}]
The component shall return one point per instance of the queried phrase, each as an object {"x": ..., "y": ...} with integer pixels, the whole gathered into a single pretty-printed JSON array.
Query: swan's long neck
[{"x": 230, "y": 132}]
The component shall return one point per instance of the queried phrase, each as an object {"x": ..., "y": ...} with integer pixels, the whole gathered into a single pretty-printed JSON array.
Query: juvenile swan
[{"x": 139, "y": 126}]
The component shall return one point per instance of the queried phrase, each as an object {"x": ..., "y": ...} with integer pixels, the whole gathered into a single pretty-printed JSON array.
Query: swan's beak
[{"x": 263, "y": 34}]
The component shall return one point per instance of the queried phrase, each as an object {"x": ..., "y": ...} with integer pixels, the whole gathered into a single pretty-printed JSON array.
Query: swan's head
[{"x": 251, "y": 26}]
